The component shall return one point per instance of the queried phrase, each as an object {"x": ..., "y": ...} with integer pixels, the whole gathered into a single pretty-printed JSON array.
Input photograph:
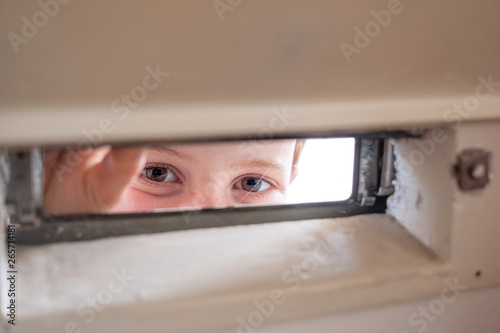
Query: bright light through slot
[
  {"x": 173, "y": 177},
  {"x": 62, "y": 194},
  {"x": 325, "y": 171}
]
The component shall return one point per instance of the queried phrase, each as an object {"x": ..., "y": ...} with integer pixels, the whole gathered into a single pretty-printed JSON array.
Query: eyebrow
[
  {"x": 172, "y": 151},
  {"x": 276, "y": 165},
  {"x": 264, "y": 164}
]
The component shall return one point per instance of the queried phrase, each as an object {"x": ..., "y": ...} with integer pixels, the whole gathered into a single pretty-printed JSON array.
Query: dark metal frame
[{"x": 41, "y": 228}]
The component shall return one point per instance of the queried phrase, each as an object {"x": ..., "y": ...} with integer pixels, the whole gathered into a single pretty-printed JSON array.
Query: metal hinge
[
  {"x": 373, "y": 182},
  {"x": 24, "y": 186},
  {"x": 376, "y": 170}
]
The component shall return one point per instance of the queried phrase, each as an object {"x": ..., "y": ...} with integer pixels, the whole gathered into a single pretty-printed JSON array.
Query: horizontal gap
[{"x": 89, "y": 227}]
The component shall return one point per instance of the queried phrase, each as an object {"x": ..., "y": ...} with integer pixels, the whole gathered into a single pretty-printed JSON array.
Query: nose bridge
[
  {"x": 213, "y": 192},
  {"x": 212, "y": 199}
]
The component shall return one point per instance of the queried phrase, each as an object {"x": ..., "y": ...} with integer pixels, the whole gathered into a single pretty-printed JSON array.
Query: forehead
[{"x": 230, "y": 151}]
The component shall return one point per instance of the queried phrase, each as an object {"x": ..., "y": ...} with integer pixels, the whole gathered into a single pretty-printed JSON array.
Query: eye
[
  {"x": 252, "y": 184},
  {"x": 159, "y": 174}
]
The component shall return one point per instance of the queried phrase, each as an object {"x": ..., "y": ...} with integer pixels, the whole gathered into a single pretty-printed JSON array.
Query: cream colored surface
[
  {"x": 422, "y": 207},
  {"x": 205, "y": 279},
  {"x": 461, "y": 227},
  {"x": 477, "y": 214},
  {"x": 226, "y": 77},
  {"x": 229, "y": 78},
  {"x": 217, "y": 275},
  {"x": 475, "y": 311}
]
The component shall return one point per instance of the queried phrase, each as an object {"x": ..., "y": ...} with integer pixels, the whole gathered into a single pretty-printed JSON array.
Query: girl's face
[{"x": 212, "y": 176}]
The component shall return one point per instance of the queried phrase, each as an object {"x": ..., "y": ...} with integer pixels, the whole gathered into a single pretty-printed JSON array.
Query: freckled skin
[
  {"x": 210, "y": 176},
  {"x": 107, "y": 180}
]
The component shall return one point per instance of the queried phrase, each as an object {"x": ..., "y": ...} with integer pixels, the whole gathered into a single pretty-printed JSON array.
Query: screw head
[
  {"x": 478, "y": 171},
  {"x": 473, "y": 169}
]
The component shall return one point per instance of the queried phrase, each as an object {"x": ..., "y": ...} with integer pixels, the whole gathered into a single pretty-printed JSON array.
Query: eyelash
[
  {"x": 150, "y": 182},
  {"x": 143, "y": 178},
  {"x": 272, "y": 184}
]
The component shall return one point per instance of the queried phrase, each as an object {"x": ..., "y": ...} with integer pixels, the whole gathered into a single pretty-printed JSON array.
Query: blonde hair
[{"x": 299, "y": 145}]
